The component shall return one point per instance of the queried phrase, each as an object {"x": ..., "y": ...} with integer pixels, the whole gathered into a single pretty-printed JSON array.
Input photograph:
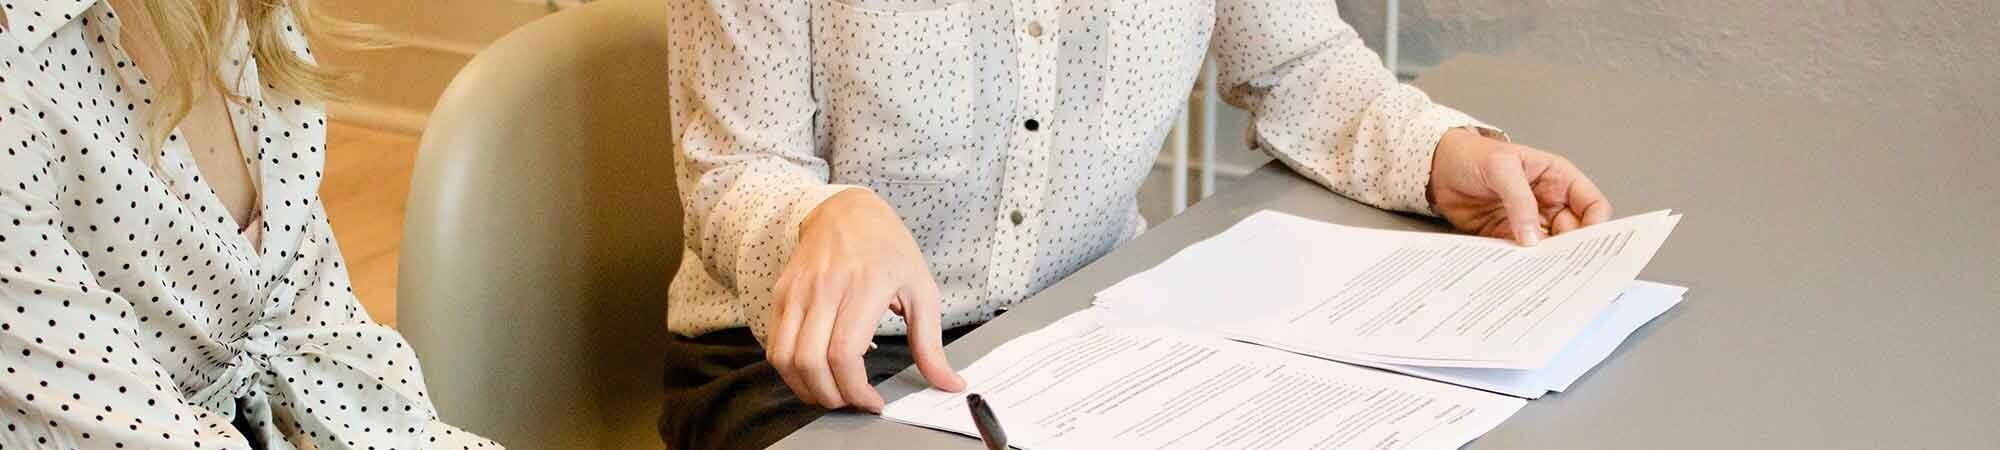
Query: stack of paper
[
  {"x": 1205, "y": 349},
  {"x": 1479, "y": 312},
  {"x": 1078, "y": 384}
]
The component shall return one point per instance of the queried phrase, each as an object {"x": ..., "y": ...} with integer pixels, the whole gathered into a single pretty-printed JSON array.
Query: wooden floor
[{"x": 367, "y": 185}]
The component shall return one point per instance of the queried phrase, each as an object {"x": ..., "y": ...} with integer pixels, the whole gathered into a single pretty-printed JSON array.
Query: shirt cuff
[{"x": 1429, "y": 128}]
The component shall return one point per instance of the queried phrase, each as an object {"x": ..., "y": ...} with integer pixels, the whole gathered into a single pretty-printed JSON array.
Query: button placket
[{"x": 1028, "y": 156}]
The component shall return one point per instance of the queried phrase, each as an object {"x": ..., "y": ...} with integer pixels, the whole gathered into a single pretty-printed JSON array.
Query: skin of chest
[{"x": 208, "y": 129}]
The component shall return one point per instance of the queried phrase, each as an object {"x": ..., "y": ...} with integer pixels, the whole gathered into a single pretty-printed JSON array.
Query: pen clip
[{"x": 988, "y": 424}]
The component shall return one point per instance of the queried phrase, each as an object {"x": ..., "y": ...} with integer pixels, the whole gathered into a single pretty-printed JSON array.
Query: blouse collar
[{"x": 32, "y": 22}]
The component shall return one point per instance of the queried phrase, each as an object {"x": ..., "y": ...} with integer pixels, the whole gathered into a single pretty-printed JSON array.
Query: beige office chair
[{"x": 543, "y": 227}]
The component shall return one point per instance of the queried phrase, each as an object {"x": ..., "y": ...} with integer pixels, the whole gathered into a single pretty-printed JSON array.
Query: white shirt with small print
[
  {"x": 133, "y": 313},
  {"x": 1010, "y": 136}
]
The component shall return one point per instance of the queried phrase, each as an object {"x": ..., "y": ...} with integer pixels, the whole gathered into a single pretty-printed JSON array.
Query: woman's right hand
[{"x": 854, "y": 260}]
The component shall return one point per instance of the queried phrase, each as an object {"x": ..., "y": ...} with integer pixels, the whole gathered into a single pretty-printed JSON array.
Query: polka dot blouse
[
  {"x": 1011, "y": 136},
  {"x": 133, "y": 314}
]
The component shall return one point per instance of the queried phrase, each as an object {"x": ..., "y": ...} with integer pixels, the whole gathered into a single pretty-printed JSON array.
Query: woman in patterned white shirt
[
  {"x": 943, "y": 159},
  {"x": 167, "y": 276}
]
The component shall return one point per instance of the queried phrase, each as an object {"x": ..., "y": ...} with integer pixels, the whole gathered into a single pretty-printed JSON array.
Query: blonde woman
[{"x": 167, "y": 276}]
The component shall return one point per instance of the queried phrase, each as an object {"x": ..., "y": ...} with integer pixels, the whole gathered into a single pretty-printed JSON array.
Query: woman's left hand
[{"x": 1505, "y": 190}]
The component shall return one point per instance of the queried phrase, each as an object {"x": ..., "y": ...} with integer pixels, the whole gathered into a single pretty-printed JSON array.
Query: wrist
[
  {"x": 841, "y": 203},
  {"x": 1455, "y": 144}
]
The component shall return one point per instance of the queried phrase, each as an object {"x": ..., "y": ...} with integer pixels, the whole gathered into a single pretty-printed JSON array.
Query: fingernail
[{"x": 1529, "y": 235}]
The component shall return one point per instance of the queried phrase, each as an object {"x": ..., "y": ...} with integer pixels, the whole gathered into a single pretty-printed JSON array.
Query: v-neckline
[
  {"x": 253, "y": 216},
  {"x": 131, "y": 76},
  {"x": 250, "y": 165},
  {"x": 258, "y": 204}
]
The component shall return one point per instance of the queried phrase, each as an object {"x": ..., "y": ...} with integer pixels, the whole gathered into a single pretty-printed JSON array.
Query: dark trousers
[{"x": 721, "y": 394}]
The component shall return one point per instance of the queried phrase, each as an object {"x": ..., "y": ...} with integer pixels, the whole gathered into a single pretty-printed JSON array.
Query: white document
[
  {"x": 1393, "y": 297},
  {"x": 1076, "y": 384},
  {"x": 1634, "y": 308}
]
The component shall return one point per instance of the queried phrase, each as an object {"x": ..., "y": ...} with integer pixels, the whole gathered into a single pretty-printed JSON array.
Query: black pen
[{"x": 989, "y": 426}]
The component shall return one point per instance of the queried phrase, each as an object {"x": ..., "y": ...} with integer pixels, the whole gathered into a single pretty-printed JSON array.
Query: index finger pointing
[{"x": 926, "y": 336}]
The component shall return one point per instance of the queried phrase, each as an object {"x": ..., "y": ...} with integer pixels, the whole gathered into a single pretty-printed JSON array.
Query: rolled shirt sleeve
[
  {"x": 747, "y": 168},
  {"x": 1324, "y": 104}
]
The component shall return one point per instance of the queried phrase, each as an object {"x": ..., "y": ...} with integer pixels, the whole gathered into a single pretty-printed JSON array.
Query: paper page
[
  {"x": 1073, "y": 385},
  {"x": 1391, "y": 297},
  {"x": 1648, "y": 301},
  {"x": 1636, "y": 306}
]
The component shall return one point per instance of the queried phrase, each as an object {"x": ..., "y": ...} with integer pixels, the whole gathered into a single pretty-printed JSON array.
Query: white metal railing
[
  {"x": 1389, "y": 31},
  {"x": 1193, "y": 136}
]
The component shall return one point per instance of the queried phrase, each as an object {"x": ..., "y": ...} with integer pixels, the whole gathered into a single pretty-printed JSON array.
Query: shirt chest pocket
[
  {"x": 1154, "y": 53},
  {"x": 895, "y": 90}
]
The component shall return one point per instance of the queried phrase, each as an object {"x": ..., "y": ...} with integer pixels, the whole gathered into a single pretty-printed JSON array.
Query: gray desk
[{"x": 1843, "y": 262}]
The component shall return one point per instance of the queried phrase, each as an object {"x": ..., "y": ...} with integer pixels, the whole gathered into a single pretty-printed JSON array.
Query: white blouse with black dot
[
  {"x": 133, "y": 314},
  {"x": 1010, "y": 135}
]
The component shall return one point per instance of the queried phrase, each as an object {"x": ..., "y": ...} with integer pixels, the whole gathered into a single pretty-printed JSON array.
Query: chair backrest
[{"x": 542, "y": 230}]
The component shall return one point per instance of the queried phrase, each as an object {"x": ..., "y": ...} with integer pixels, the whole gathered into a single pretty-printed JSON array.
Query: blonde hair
[{"x": 193, "y": 34}]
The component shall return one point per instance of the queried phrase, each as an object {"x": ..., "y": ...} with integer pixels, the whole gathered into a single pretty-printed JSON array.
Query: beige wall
[{"x": 429, "y": 40}]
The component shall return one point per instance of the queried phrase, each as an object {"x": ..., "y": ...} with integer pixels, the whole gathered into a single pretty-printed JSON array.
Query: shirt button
[
  {"x": 1035, "y": 29},
  {"x": 1016, "y": 217},
  {"x": 1032, "y": 125}
]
